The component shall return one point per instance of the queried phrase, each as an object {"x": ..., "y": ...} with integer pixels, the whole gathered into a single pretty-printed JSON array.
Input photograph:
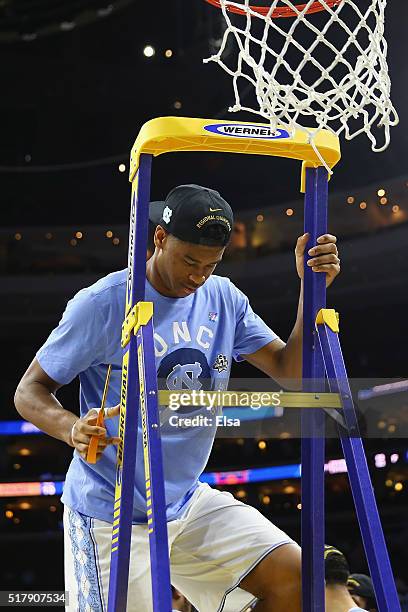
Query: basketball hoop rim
[{"x": 282, "y": 12}]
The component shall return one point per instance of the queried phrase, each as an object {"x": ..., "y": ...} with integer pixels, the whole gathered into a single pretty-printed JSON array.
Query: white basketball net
[{"x": 325, "y": 70}]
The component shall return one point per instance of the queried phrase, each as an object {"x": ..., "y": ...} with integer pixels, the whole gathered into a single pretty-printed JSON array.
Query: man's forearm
[
  {"x": 37, "y": 404},
  {"x": 291, "y": 357}
]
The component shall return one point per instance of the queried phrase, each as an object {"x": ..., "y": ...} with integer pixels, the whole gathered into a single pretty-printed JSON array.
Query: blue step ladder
[{"x": 321, "y": 359}]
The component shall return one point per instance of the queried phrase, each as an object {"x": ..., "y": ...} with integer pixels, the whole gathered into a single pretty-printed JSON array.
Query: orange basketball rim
[{"x": 283, "y": 11}]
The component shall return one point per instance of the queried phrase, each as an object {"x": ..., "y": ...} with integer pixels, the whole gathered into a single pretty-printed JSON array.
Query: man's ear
[{"x": 160, "y": 237}]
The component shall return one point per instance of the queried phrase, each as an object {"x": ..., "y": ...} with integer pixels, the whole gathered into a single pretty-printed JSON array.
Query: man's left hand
[{"x": 323, "y": 256}]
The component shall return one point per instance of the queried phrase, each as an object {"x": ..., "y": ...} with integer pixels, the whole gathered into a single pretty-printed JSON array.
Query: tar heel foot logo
[
  {"x": 240, "y": 130},
  {"x": 185, "y": 376},
  {"x": 167, "y": 212}
]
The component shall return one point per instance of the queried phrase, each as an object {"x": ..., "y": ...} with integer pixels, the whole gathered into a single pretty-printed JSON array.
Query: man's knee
[{"x": 277, "y": 576}]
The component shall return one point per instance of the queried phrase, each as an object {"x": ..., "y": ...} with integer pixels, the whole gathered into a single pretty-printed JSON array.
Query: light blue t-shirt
[{"x": 195, "y": 339}]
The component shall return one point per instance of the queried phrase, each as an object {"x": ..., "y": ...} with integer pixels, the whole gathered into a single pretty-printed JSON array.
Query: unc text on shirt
[{"x": 181, "y": 332}]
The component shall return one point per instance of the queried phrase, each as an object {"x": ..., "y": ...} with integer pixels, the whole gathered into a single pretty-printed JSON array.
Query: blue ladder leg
[
  {"x": 313, "y": 420},
  {"x": 125, "y": 479},
  {"x": 128, "y": 422},
  {"x": 359, "y": 475},
  {"x": 153, "y": 460}
]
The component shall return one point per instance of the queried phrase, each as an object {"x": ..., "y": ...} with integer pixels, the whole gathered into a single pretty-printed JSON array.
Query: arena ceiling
[
  {"x": 76, "y": 88},
  {"x": 26, "y": 20}
]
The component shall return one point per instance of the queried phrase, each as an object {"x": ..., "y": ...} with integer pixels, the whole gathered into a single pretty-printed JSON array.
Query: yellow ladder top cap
[{"x": 171, "y": 134}]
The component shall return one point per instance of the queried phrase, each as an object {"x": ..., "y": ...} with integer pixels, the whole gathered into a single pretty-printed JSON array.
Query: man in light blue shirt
[{"x": 201, "y": 322}]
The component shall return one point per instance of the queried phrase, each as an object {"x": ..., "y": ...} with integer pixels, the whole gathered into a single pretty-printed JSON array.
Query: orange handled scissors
[{"x": 100, "y": 421}]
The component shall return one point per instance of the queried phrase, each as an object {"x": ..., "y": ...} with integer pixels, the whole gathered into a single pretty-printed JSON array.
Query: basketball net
[{"x": 311, "y": 71}]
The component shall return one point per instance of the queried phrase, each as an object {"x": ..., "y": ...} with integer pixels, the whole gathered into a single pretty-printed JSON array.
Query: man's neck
[
  {"x": 338, "y": 599},
  {"x": 154, "y": 278}
]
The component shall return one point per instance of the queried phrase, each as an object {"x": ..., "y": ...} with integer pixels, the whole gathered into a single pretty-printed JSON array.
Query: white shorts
[{"x": 216, "y": 542}]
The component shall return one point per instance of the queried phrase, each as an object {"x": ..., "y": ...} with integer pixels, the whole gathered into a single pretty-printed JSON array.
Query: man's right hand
[{"x": 85, "y": 427}]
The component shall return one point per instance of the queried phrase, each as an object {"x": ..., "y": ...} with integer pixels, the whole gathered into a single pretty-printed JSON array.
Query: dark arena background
[{"x": 78, "y": 80}]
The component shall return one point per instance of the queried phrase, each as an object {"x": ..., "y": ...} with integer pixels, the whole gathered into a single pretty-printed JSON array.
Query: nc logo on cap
[{"x": 167, "y": 212}]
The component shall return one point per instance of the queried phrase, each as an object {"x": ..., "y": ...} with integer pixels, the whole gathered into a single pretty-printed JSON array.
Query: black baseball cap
[
  {"x": 190, "y": 209},
  {"x": 362, "y": 585}
]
